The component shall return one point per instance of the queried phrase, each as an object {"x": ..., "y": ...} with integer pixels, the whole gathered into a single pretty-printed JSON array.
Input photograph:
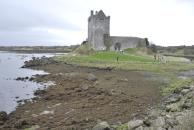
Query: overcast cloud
[{"x": 64, "y": 22}]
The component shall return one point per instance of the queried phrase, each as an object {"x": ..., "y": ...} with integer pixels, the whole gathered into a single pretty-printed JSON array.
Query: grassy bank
[{"x": 129, "y": 60}]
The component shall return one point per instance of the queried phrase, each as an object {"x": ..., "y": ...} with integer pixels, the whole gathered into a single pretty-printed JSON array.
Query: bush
[{"x": 84, "y": 49}]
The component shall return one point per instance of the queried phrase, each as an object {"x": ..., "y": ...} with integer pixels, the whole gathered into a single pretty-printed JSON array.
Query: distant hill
[{"x": 39, "y": 49}]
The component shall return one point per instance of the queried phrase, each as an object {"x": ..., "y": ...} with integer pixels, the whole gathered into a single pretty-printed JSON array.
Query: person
[
  {"x": 155, "y": 56},
  {"x": 117, "y": 58}
]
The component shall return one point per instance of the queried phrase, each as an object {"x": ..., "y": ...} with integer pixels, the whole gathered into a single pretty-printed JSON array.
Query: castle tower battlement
[{"x": 98, "y": 25}]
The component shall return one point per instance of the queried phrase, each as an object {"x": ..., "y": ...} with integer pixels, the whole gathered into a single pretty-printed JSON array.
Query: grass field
[{"x": 129, "y": 60}]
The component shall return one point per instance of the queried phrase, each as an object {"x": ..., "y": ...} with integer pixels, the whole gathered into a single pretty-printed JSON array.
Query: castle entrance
[{"x": 117, "y": 46}]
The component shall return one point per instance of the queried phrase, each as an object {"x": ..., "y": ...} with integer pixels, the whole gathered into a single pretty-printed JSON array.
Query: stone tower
[{"x": 98, "y": 26}]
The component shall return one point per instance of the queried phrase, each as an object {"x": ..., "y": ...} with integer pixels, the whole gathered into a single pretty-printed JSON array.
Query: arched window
[{"x": 117, "y": 46}]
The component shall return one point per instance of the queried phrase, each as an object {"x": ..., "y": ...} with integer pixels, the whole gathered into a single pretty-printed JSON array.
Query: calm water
[{"x": 10, "y": 69}]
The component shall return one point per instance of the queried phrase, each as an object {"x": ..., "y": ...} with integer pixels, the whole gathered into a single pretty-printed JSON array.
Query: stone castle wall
[
  {"x": 99, "y": 34},
  {"x": 127, "y": 42}
]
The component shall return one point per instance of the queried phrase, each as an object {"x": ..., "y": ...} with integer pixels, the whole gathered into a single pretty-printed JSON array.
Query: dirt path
[{"x": 82, "y": 96}]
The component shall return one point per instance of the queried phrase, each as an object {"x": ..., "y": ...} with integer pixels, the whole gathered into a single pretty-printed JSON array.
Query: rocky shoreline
[
  {"x": 99, "y": 99},
  {"x": 175, "y": 113}
]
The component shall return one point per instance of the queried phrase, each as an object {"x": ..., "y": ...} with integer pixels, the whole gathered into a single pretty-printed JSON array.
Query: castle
[{"x": 99, "y": 35}]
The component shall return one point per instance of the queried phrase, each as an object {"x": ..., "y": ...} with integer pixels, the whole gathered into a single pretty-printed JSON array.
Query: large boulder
[
  {"x": 102, "y": 126},
  {"x": 159, "y": 122},
  {"x": 173, "y": 107},
  {"x": 185, "y": 91},
  {"x": 91, "y": 77},
  {"x": 134, "y": 124}
]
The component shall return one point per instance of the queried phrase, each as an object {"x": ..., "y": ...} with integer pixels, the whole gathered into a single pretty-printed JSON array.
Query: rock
[
  {"x": 159, "y": 122},
  {"x": 187, "y": 105},
  {"x": 39, "y": 92},
  {"x": 172, "y": 107},
  {"x": 134, "y": 124},
  {"x": 147, "y": 122},
  {"x": 150, "y": 128},
  {"x": 180, "y": 119},
  {"x": 154, "y": 113},
  {"x": 171, "y": 122},
  {"x": 140, "y": 128},
  {"x": 22, "y": 78},
  {"x": 91, "y": 77},
  {"x": 189, "y": 96},
  {"x": 16, "y": 97},
  {"x": 186, "y": 87},
  {"x": 123, "y": 80},
  {"x": 35, "y": 127},
  {"x": 39, "y": 62},
  {"x": 3, "y": 116},
  {"x": 31, "y": 79},
  {"x": 1, "y": 123},
  {"x": 72, "y": 75},
  {"x": 185, "y": 91},
  {"x": 84, "y": 87},
  {"x": 173, "y": 98},
  {"x": 145, "y": 128},
  {"x": 102, "y": 126},
  {"x": 47, "y": 112},
  {"x": 20, "y": 124},
  {"x": 160, "y": 128}
]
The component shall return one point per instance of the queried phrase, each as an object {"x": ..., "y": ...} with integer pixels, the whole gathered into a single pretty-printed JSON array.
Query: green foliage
[
  {"x": 175, "y": 85},
  {"x": 153, "y": 47},
  {"x": 122, "y": 127},
  {"x": 107, "y": 42},
  {"x": 84, "y": 49},
  {"x": 147, "y": 42}
]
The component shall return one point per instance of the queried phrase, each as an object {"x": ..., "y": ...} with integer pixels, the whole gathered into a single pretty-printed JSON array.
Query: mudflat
[{"x": 82, "y": 96}]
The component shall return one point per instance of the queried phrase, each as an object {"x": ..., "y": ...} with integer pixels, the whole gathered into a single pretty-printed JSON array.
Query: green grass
[
  {"x": 176, "y": 84},
  {"x": 122, "y": 127},
  {"x": 131, "y": 50},
  {"x": 126, "y": 62},
  {"x": 112, "y": 56}
]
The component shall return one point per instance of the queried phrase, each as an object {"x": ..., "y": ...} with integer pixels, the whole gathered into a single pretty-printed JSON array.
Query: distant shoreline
[{"x": 38, "y": 49}]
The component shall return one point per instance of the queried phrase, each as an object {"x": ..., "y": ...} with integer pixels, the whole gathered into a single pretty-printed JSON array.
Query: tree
[
  {"x": 107, "y": 42},
  {"x": 153, "y": 48},
  {"x": 147, "y": 42}
]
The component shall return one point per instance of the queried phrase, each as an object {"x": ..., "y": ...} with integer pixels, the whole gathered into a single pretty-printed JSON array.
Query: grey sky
[{"x": 64, "y": 22}]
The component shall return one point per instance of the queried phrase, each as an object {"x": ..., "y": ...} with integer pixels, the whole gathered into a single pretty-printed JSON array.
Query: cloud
[
  {"x": 22, "y": 15},
  {"x": 165, "y": 22},
  {"x": 32, "y": 21}
]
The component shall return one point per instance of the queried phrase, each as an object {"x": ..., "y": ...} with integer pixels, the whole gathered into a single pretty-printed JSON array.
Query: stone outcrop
[{"x": 39, "y": 62}]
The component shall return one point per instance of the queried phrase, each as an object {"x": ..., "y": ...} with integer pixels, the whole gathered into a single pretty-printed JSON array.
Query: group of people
[{"x": 160, "y": 58}]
